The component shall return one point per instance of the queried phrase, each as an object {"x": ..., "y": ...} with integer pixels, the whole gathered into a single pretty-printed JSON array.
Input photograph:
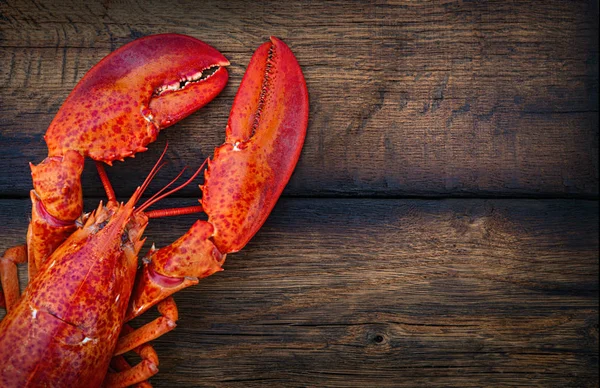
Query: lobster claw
[
  {"x": 122, "y": 103},
  {"x": 243, "y": 181},
  {"x": 265, "y": 134}
]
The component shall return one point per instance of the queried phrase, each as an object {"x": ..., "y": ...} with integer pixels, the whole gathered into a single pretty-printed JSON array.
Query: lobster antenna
[
  {"x": 152, "y": 201},
  {"x": 167, "y": 186},
  {"x": 174, "y": 212},
  {"x": 150, "y": 178},
  {"x": 155, "y": 169},
  {"x": 110, "y": 192},
  {"x": 157, "y": 166}
]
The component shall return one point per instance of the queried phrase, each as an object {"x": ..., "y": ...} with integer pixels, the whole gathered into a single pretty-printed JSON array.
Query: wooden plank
[
  {"x": 402, "y": 293},
  {"x": 419, "y": 98}
]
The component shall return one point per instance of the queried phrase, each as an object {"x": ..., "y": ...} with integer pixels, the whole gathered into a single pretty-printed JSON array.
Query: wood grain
[
  {"x": 407, "y": 99},
  {"x": 356, "y": 292}
]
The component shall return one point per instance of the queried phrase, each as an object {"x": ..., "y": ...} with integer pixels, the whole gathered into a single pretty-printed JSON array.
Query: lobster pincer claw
[
  {"x": 265, "y": 134},
  {"x": 243, "y": 181},
  {"x": 122, "y": 103}
]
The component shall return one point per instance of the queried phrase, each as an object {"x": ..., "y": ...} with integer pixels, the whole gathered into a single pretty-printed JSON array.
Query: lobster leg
[
  {"x": 161, "y": 325},
  {"x": 57, "y": 201},
  {"x": 246, "y": 176},
  {"x": 9, "y": 276},
  {"x": 137, "y": 375},
  {"x": 137, "y": 340}
]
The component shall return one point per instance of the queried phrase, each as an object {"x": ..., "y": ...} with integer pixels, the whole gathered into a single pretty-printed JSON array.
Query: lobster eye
[{"x": 102, "y": 224}]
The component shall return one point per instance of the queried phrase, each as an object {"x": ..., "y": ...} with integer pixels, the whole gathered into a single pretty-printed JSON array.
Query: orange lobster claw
[
  {"x": 265, "y": 134},
  {"x": 116, "y": 109},
  {"x": 246, "y": 176},
  {"x": 128, "y": 97}
]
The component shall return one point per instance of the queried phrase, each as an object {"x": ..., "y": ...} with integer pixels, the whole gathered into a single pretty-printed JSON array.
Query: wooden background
[{"x": 441, "y": 228}]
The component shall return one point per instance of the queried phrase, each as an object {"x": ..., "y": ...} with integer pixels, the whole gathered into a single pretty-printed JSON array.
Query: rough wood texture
[
  {"x": 396, "y": 293},
  {"x": 419, "y": 98},
  {"x": 440, "y": 99}
]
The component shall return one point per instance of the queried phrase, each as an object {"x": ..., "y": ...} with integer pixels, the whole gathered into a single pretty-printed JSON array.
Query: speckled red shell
[
  {"x": 64, "y": 329},
  {"x": 265, "y": 134},
  {"x": 114, "y": 111}
]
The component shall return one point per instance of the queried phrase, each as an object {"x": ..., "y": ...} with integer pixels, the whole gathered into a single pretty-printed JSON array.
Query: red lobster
[{"x": 83, "y": 269}]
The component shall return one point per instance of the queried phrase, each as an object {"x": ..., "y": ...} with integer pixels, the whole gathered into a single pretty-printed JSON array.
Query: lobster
[{"x": 69, "y": 328}]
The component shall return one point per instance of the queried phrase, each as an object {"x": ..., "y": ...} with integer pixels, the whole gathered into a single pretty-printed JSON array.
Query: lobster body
[
  {"x": 68, "y": 321},
  {"x": 84, "y": 280}
]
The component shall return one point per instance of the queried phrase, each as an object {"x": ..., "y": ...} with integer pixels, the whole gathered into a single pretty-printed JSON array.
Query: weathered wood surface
[
  {"x": 357, "y": 292},
  {"x": 440, "y": 99},
  {"x": 416, "y": 98}
]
